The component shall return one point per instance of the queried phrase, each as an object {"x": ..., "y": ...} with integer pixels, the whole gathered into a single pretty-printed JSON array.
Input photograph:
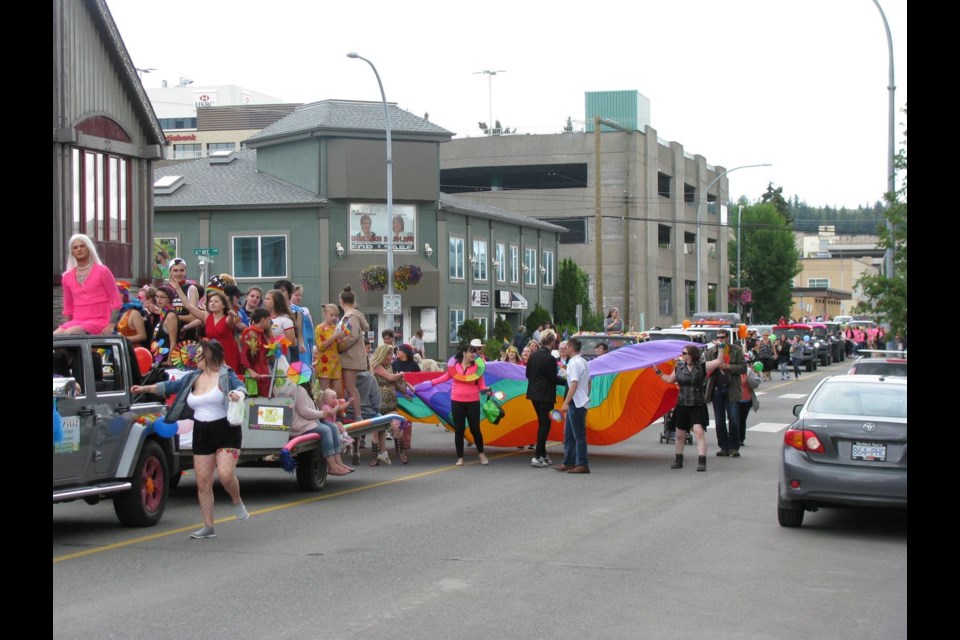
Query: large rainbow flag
[{"x": 626, "y": 397}]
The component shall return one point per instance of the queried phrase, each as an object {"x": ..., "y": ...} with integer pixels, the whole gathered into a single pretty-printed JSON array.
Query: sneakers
[
  {"x": 539, "y": 462},
  {"x": 242, "y": 513},
  {"x": 547, "y": 460},
  {"x": 206, "y": 532}
]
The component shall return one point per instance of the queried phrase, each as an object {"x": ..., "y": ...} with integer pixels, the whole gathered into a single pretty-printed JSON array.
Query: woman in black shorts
[
  {"x": 206, "y": 393},
  {"x": 691, "y": 411}
]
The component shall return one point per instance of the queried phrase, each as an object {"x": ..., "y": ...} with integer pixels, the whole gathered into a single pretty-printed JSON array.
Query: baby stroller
[{"x": 669, "y": 434}]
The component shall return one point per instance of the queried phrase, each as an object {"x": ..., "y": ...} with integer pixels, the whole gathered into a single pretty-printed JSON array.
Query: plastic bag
[
  {"x": 492, "y": 411},
  {"x": 236, "y": 412}
]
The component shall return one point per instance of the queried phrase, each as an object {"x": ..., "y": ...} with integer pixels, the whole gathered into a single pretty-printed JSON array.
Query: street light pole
[
  {"x": 739, "y": 219},
  {"x": 490, "y": 75},
  {"x": 701, "y": 302},
  {"x": 891, "y": 175},
  {"x": 386, "y": 119}
]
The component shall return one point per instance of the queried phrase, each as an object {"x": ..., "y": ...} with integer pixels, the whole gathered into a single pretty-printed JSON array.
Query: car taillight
[{"x": 803, "y": 440}]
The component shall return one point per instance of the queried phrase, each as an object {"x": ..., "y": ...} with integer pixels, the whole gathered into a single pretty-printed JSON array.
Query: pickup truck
[{"x": 104, "y": 445}]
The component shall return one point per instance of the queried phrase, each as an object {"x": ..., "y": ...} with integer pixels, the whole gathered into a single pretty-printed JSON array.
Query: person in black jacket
[{"x": 542, "y": 381}]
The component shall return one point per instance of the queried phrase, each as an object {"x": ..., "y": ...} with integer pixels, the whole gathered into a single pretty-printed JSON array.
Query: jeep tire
[{"x": 143, "y": 504}]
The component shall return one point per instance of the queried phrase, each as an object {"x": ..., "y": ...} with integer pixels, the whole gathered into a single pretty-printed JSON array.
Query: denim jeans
[
  {"x": 726, "y": 414},
  {"x": 575, "y": 437}
]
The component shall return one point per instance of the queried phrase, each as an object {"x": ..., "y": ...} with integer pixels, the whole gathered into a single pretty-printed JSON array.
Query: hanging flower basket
[
  {"x": 743, "y": 296},
  {"x": 406, "y": 276},
  {"x": 374, "y": 278}
]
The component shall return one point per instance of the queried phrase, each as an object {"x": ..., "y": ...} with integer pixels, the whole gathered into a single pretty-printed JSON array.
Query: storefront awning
[{"x": 510, "y": 300}]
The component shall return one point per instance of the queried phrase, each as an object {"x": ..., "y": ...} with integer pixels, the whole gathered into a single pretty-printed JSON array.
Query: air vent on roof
[
  {"x": 224, "y": 156},
  {"x": 167, "y": 185}
]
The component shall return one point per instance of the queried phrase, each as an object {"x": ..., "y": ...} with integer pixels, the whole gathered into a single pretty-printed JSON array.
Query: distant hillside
[{"x": 859, "y": 221}]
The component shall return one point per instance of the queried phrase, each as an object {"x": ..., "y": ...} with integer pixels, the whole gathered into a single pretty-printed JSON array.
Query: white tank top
[{"x": 209, "y": 406}]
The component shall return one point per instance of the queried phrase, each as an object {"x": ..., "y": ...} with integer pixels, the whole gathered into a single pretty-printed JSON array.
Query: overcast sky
[{"x": 801, "y": 84}]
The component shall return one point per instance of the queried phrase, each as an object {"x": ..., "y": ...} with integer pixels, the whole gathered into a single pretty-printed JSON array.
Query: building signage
[
  {"x": 180, "y": 138},
  {"x": 510, "y": 300},
  {"x": 480, "y": 298},
  {"x": 205, "y": 98},
  {"x": 369, "y": 226}
]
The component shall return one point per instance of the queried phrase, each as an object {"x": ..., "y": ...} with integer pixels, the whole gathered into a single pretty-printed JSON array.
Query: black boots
[
  {"x": 678, "y": 462},
  {"x": 702, "y": 463}
]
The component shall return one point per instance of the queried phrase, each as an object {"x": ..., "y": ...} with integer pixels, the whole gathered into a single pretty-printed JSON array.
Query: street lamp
[
  {"x": 701, "y": 303},
  {"x": 490, "y": 75},
  {"x": 891, "y": 176},
  {"x": 386, "y": 119}
]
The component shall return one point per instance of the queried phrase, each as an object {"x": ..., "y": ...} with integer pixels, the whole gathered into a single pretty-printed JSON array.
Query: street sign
[
  {"x": 391, "y": 303},
  {"x": 207, "y": 251}
]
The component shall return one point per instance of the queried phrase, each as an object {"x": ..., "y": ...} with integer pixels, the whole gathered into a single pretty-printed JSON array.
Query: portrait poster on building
[
  {"x": 164, "y": 250},
  {"x": 371, "y": 228},
  {"x": 480, "y": 298}
]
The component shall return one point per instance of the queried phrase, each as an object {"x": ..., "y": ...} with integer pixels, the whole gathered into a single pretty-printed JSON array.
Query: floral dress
[{"x": 327, "y": 364}]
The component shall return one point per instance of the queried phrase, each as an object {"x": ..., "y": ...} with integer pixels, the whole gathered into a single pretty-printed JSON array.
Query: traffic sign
[
  {"x": 391, "y": 303},
  {"x": 207, "y": 251}
]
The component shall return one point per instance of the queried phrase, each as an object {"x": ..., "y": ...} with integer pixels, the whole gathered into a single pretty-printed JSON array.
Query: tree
[
  {"x": 768, "y": 260},
  {"x": 537, "y": 317},
  {"x": 574, "y": 283},
  {"x": 469, "y": 330},
  {"x": 886, "y": 297},
  {"x": 775, "y": 197}
]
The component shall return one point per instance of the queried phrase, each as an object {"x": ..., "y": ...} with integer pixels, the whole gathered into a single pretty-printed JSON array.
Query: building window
[
  {"x": 576, "y": 229},
  {"x": 663, "y": 185},
  {"x": 514, "y": 263},
  {"x": 548, "y": 265},
  {"x": 221, "y": 146},
  {"x": 501, "y": 258},
  {"x": 456, "y": 258},
  {"x": 529, "y": 266},
  {"x": 482, "y": 321},
  {"x": 818, "y": 283},
  {"x": 691, "y": 290},
  {"x": 689, "y": 193},
  {"x": 663, "y": 236},
  {"x": 689, "y": 242},
  {"x": 457, "y": 317},
  {"x": 187, "y": 151},
  {"x": 101, "y": 203},
  {"x": 178, "y": 123},
  {"x": 712, "y": 249},
  {"x": 260, "y": 256},
  {"x": 665, "y": 287},
  {"x": 711, "y": 296},
  {"x": 479, "y": 259},
  {"x": 712, "y": 205}
]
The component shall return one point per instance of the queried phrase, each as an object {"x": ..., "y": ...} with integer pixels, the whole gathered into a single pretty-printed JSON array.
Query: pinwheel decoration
[
  {"x": 184, "y": 355},
  {"x": 158, "y": 350},
  {"x": 299, "y": 373}
]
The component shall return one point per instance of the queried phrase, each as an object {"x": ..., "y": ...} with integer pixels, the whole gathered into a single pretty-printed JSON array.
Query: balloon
[
  {"x": 742, "y": 332},
  {"x": 686, "y": 324},
  {"x": 806, "y": 338},
  {"x": 144, "y": 359},
  {"x": 758, "y": 366},
  {"x": 164, "y": 429},
  {"x": 184, "y": 426}
]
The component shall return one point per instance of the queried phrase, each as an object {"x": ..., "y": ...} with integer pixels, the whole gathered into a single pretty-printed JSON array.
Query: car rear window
[
  {"x": 878, "y": 399},
  {"x": 881, "y": 368}
]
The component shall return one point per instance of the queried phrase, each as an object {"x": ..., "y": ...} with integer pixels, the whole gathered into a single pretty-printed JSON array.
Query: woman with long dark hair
[
  {"x": 467, "y": 376},
  {"x": 207, "y": 391}
]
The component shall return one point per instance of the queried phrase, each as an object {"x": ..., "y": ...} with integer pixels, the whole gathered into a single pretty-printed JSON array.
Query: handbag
[
  {"x": 492, "y": 411},
  {"x": 237, "y": 411}
]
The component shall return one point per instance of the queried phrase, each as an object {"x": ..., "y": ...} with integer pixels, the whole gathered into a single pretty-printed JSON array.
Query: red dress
[{"x": 224, "y": 334}]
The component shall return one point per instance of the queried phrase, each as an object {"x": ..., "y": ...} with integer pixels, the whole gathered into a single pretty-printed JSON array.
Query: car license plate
[{"x": 869, "y": 451}]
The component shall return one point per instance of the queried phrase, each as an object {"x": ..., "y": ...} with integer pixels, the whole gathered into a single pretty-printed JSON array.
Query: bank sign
[{"x": 205, "y": 98}]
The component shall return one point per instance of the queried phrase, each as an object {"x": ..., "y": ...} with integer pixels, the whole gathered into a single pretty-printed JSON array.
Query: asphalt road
[{"x": 429, "y": 550}]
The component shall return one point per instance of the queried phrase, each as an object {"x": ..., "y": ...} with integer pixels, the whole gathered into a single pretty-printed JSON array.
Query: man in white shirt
[{"x": 575, "y": 405}]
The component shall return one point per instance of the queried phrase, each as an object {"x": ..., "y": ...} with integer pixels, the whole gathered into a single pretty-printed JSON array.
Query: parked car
[
  {"x": 847, "y": 448},
  {"x": 879, "y": 363},
  {"x": 589, "y": 340}
]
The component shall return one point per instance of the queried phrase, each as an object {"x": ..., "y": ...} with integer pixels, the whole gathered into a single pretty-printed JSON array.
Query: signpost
[
  {"x": 207, "y": 251},
  {"x": 391, "y": 304}
]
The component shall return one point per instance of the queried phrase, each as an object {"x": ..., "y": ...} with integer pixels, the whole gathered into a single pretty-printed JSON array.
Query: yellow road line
[{"x": 279, "y": 507}]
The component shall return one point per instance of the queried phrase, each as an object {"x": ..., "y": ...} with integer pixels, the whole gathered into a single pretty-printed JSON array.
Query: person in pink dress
[
  {"x": 219, "y": 320},
  {"x": 91, "y": 302}
]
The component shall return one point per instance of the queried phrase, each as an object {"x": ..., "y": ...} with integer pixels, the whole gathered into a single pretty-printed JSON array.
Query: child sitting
[{"x": 332, "y": 406}]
